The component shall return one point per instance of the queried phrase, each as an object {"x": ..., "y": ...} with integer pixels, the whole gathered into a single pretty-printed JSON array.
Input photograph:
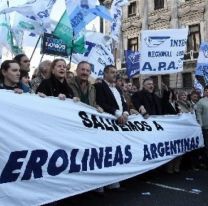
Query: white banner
[
  {"x": 52, "y": 149},
  {"x": 162, "y": 51},
  {"x": 98, "y": 52}
]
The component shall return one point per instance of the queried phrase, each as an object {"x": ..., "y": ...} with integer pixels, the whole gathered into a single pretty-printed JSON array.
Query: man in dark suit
[
  {"x": 109, "y": 97},
  {"x": 145, "y": 101}
]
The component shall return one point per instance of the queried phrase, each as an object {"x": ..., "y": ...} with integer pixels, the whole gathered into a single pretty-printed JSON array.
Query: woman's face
[
  {"x": 59, "y": 70},
  {"x": 183, "y": 97}
]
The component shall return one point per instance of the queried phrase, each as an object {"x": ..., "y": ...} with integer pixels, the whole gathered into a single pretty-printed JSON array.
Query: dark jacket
[
  {"x": 150, "y": 101},
  {"x": 106, "y": 99},
  {"x": 167, "y": 107},
  {"x": 18, "y": 86},
  {"x": 53, "y": 87}
]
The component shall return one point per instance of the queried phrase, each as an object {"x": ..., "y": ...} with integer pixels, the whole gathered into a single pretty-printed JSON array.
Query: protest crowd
[
  {"x": 111, "y": 94},
  {"x": 98, "y": 84}
]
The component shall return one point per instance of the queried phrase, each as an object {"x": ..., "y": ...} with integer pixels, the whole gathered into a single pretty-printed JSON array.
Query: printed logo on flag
[{"x": 155, "y": 41}]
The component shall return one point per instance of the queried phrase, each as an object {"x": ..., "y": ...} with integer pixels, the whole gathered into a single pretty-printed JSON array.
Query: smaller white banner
[
  {"x": 162, "y": 51},
  {"x": 98, "y": 53}
]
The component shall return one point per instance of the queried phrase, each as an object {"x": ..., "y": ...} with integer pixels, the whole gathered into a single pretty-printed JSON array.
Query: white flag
[
  {"x": 98, "y": 52},
  {"x": 116, "y": 13},
  {"x": 37, "y": 10}
]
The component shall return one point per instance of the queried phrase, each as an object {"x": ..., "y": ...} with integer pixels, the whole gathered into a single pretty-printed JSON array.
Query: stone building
[{"x": 159, "y": 14}]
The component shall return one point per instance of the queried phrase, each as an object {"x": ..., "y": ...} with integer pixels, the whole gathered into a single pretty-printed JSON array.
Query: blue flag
[
  {"x": 132, "y": 63},
  {"x": 81, "y": 12},
  {"x": 202, "y": 62}
]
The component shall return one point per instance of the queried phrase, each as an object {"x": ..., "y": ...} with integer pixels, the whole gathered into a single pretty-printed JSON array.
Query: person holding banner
[
  {"x": 111, "y": 99},
  {"x": 56, "y": 85},
  {"x": 81, "y": 86},
  {"x": 145, "y": 101},
  {"x": 10, "y": 76}
]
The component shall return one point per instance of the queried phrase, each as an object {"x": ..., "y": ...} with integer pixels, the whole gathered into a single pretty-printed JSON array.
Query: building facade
[{"x": 163, "y": 14}]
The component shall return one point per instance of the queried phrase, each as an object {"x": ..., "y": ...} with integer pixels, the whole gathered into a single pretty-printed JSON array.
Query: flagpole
[
  {"x": 70, "y": 58},
  {"x": 41, "y": 58},
  {"x": 35, "y": 47}
]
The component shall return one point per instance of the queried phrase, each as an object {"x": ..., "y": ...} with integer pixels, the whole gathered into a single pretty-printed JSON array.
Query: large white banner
[
  {"x": 52, "y": 149},
  {"x": 162, "y": 51}
]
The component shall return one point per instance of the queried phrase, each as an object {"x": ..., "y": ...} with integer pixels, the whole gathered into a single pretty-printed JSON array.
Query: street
[{"x": 156, "y": 188}]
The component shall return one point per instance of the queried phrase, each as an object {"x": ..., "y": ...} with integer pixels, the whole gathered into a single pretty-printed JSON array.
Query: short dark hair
[
  {"x": 5, "y": 66},
  {"x": 106, "y": 69},
  {"x": 84, "y": 62},
  {"x": 18, "y": 57},
  {"x": 147, "y": 79},
  {"x": 194, "y": 93}
]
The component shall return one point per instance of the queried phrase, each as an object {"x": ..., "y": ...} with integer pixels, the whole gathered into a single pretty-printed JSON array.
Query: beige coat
[{"x": 74, "y": 85}]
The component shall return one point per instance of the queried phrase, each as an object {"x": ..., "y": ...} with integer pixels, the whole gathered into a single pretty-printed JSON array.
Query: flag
[
  {"x": 81, "y": 12},
  {"x": 116, "y": 13},
  {"x": 36, "y": 10},
  {"x": 23, "y": 23},
  {"x": 64, "y": 31},
  {"x": 98, "y": 52},
  {"x": 132, "y": 63},
  {"x": 6, "y": 37},
  {"x": 202, "y": 62}
]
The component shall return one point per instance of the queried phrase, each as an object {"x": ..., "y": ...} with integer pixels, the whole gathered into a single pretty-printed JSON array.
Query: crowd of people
[{"x": 112, "y": 94}]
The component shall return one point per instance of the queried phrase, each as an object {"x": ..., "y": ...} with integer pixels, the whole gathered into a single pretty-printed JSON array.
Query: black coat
[
  {"x": 167, "y": 107},
  {"x": 150, "y": 101},
  {"x": 53, "y": 87},
  {"x": 106, "y": 99}
]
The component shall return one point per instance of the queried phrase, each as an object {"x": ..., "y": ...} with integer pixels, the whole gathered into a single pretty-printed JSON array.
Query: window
[
  {"x": 194, "y": 38},
  {"x": 133, "y": 44},
  {"x": 166, "y": 79},
  {"x": 159, "y": 4},
  {"x": 187, "y": 80},
  {"x": 132, "y": 9}
]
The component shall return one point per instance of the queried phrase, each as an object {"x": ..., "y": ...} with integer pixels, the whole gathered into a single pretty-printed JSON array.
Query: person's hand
[
  {"x": 122, "y": 119},
  {"x": 134, "y": 111},
  {"x": 99, "y": 109},
  {"x": 40, "y": 94},
  {"x": 62, "y": 96},
  {"x": 18, "y": 91},
  {"x": 76, "y": 99},
  {"x": 142, "y": 110}
]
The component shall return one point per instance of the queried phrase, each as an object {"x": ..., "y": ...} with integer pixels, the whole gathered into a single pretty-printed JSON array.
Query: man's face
[
  {"x": 119, "y": 83},
  {"x": 149, "y": 86},
  {"x": 12, "y": 74},
  {"x": 25, "y": 63},
  {"x": 83, "y": 71},
  {"x": 110, "y": 75},
  {"x": 194, "y": 98},
  {"x": 206, "y": 92}
]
